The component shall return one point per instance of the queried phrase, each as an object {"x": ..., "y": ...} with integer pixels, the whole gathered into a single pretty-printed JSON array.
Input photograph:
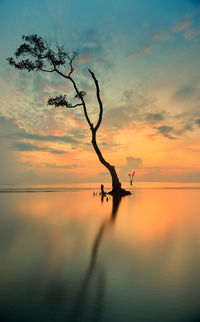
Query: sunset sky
[{"x": 146, "y": 57}]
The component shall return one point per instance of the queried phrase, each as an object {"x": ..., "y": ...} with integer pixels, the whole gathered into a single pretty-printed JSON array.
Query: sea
[{"x": 69, "y": 254}]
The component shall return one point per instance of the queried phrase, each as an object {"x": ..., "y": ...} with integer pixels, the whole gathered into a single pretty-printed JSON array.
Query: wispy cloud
[
  {"x": 136, "y": 107},
  {"x": 182, "y": 24},
  {"x": 46, "y": 138},
  {"x": 23, "y": 146},
  {"x": 154, "y": 117},
  {"x": 166, "y": 131},
  {"x": 198, "y": 122},
  {"x": 57, "y": 166},
  {"x": 160, "y": 35},
  {"x": 144, "y": 50},
  {"x": 153, "y": 38},
  {"x": 192, "y": 33},
  {"x": 84, "y": 58},
  {"x": 184, "y": 92}
]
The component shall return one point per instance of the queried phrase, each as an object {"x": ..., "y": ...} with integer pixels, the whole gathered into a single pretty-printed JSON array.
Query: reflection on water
[
  {"x": 66, "y": 256},
  {"x": 79, "y": 302}
]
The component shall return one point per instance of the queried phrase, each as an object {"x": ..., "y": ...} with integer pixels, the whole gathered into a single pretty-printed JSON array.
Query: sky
[{"x": 146, "y": 57}]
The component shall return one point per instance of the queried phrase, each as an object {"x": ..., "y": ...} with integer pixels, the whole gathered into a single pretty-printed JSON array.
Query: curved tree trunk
[{"x": 116, "y": 184}]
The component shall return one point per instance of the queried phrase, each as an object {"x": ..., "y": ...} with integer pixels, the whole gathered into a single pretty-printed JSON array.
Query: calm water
[{"x": 68, "y": 256}]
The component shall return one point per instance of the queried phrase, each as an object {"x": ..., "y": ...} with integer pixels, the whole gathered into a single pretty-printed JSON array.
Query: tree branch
[
  {"x": 82, "y": 100},
  {"x": 98, "y": 99},
  {"x": 71, "y": 59},
  {"x": 60, "y": 73},
  {"x": 47, "y": 71},
  {"x": 79, "y": 104}
]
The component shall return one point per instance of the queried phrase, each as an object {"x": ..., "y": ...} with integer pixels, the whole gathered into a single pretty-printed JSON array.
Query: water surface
[{"x": 66, "y": 255}]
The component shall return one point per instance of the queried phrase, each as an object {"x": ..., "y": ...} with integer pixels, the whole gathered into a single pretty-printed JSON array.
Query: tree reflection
[{"x": 81, "y": 297}]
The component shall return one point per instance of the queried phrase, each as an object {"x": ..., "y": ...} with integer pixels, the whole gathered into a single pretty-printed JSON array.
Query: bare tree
[{"x": 36, "y": 54}]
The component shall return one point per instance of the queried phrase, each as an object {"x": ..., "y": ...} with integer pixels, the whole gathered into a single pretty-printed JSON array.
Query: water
[{"x": 66, "y": 255}]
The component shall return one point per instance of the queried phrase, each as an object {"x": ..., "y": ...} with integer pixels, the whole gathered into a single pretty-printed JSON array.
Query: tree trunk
[{"x": 116, "y": 184}]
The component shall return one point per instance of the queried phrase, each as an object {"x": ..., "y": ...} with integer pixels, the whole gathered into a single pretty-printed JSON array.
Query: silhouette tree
[{"x": 36, "y": 54}]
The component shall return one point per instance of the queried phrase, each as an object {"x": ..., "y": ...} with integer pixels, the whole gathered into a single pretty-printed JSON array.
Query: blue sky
[{"x": 145, "y": 55}]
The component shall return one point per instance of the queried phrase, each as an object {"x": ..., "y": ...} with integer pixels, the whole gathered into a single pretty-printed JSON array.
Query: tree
[{"x": 36, "y": 54}]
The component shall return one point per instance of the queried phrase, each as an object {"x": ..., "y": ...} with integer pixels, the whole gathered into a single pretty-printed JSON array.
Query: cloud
[
  {"x": 182, "y": 25},
  {"x": 76, "y": 137},
  {"x": 184, "y": 92},
  {"x": 136, "y": 107},
  {"x": 90, "y": 43},
  {"x": 185, "y": 128},
  {"x": 144, "y": 50},
  {"x": 104, "y": 174},
  {"x": 158, "y": 174},
  {"x": 27, "y": 177},
  {"x": 192, "y": 33},
  {"x": 13, "y": 169},
  {"x": 117, "y": 117},
  {"x": 131, "y": 164},
  {"x": 166, "y": 131},
  {"x": 140, "y": 111},
  {"x": 51, "y": 165},
  {"x": 159, "y": 35},
  {"x": 23, "y": 146},
  {"x": 198, "y": 122},
  {"x": 24, "y": 98},
  {"x": 77, "y": 134},
  {"x": 84, "y": 58},
  {"x": 128, "y": 94},
  {"x": 57, "y": 166},
  {"x": 154, "y": 117},
  {"x": 10, "y": 163},
  {"x": 10, "y": 133},
  {"x": 46, "y": 138},
  {"x": 182, "y": 123},
  {"x": 154, "y": 37}
]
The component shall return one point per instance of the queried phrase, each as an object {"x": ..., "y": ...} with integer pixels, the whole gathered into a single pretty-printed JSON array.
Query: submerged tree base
[
  {"x": 120, "y": 193},
  {"x": 115, "y": 193}
]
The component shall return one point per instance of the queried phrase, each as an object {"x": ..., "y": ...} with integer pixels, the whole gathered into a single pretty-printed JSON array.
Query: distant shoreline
[{"x": 9, "y": 188}]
